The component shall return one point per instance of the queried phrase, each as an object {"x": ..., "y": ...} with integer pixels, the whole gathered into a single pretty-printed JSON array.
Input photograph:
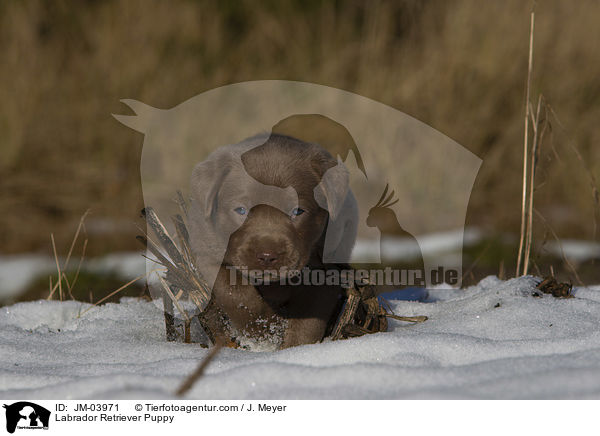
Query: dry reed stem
[
  {"x": 60, "y": 293},
  {"x": 526, "y": 148},
  {"x": 85, "y": 242},
  {"x": 66, "y": 264},
  {"x": 415, "y": 319},
  {"x": 79, "y": 227},
  {"x": 52, "y": 289},
  {"x": 117, "y": 291},
  {"x": 537, "y": 140},
  {"x": 69, "y": 286},
  {"x": 172, "y": 297}
]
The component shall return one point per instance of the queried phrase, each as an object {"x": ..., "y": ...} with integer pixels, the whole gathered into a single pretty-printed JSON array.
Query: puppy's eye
[
  {"x": 240, "y": 210},
  {"x": 297, "y": 211}
]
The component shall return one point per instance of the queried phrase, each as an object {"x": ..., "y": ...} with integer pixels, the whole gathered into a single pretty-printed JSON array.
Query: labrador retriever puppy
[{"x": 272, "y": 205}]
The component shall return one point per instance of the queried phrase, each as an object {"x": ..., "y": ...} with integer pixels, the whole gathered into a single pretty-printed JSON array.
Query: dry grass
[
  {"x": 62, "y": 277},
  {"x": 531, "y": 156},
  {"x": 525, "y": 234},
  {"x": 61, "y": 271}
]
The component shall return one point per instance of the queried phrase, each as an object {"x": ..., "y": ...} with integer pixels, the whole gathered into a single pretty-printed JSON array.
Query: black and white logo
[{"x": 26, "y": 415}]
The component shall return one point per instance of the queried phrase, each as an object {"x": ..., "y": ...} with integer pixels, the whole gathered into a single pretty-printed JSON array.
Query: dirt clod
[{"x": 558, "y": 290}]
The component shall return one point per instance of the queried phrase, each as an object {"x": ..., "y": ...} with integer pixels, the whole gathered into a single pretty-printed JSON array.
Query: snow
[
  {"x": 432, "y": 244},
  {"x": 17, "y": 271},
  {"x": 493, "y": 340},
  {"x": 574, "y": 250}
]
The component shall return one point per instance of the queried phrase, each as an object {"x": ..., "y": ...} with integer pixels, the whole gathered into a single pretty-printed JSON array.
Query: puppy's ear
[
  {"x": 331, "y": 193},
  {"x": 206, "y": 180}
]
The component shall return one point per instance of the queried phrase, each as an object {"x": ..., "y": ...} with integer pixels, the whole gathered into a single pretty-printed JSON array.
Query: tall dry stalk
[
  {"x": 59, "y": 274},
  {"x": 539, "y": 129},
  {"x": 62, "y": 271},
  {"x": 524, "y": 208}
]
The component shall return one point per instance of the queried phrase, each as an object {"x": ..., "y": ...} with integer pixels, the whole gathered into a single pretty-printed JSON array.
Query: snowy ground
[
  {"x": 17, "y": 271},
  {"x": 490, "y": 341}
]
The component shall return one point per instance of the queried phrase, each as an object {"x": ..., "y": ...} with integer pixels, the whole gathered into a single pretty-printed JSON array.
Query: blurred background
[{"x": 458, "y": 66}]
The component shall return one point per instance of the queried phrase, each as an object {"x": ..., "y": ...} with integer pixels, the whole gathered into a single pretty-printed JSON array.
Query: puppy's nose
[{"x": 267, "y": 258}]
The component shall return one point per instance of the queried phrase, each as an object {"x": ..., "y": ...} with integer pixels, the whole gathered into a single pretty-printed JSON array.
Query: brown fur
[{"x": 269, "y": 177}]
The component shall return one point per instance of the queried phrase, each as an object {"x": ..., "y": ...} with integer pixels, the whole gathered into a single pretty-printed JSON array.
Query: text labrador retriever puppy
[{"x": 271, "y": 205}]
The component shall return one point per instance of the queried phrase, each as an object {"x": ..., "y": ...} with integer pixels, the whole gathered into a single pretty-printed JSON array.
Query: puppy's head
[{"x": 270, "y": 205}]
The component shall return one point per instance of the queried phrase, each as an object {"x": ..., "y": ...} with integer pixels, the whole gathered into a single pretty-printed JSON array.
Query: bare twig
[
  {"x": 199, "y": 372},
  {"x": 416, "y": 319}
]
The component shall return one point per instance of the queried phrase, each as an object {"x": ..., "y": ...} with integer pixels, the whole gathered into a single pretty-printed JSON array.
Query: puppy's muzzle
[
  {"x": 266, "y": 252},
  {"x": 266, "y": 241},
  {"x": 269, "y": 259}
]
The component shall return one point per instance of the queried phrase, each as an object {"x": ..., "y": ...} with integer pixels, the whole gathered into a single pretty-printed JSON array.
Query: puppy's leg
[
  {"x": 245, "y": 312},
  {"x": 301, "y": 331},
  {"x": 310, "y": 310}
]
